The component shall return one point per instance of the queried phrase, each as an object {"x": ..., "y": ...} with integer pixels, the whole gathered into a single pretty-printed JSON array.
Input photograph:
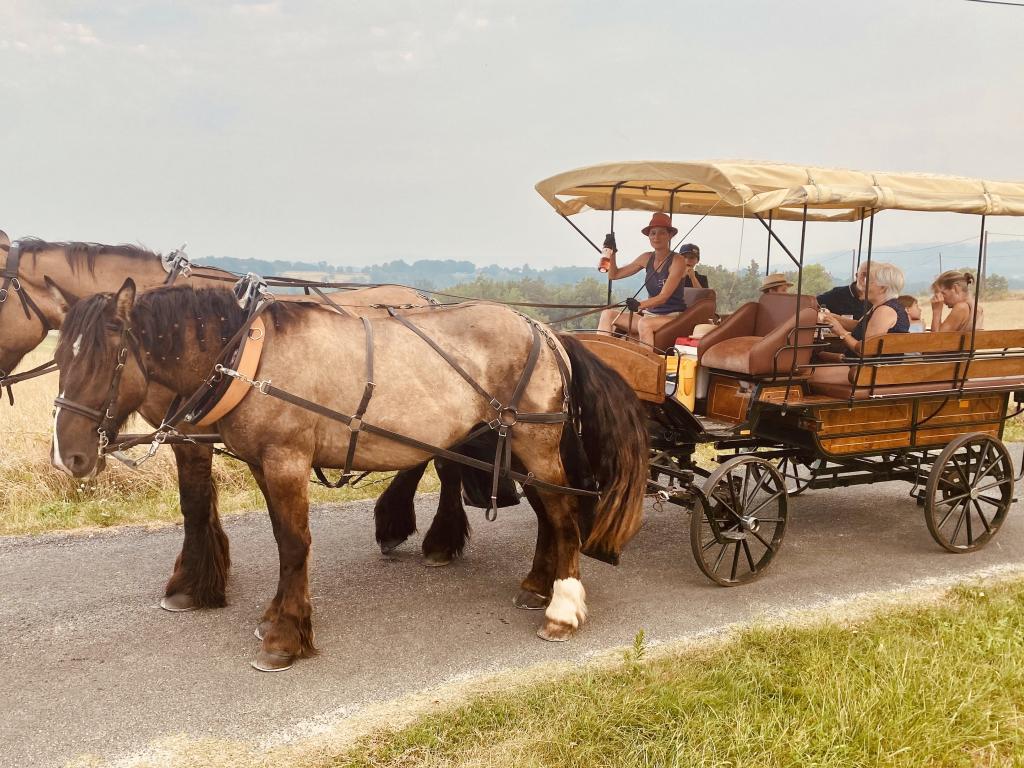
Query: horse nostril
[{"x": 77, "y": 463}]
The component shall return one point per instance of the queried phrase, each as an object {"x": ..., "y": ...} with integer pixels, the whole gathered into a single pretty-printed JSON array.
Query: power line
[{"x": 996, "y": 2}]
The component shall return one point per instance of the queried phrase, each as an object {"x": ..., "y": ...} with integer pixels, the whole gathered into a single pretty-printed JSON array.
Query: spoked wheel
[
  {"x": 969, "y": 492},
  {"x": 735, "y": 536},
  {"x": 797, "y": 473}
]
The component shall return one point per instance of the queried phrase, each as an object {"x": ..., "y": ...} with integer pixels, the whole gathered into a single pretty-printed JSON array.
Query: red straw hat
[{"x": 660, "y": 220}]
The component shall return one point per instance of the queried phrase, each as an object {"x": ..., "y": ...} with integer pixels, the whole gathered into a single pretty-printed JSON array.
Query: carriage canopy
[{"x": 745, "y": 188}]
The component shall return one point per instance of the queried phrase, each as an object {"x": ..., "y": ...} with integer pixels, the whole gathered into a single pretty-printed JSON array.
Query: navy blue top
[
  {"x": 902, "y": 325},
  {"x": 702, "y": 281},
  {"x": 654, "y": 281},
  {"x": 842, "y": 300}
]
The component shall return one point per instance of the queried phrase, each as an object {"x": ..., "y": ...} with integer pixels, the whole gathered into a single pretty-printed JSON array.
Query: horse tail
[{"x": 616, "y": 443}]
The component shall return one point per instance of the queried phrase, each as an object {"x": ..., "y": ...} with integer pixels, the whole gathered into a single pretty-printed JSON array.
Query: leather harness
[{"x": 200, "y": 406}]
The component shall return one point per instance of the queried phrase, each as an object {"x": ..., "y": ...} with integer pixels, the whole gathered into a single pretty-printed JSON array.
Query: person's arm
[
  {"x": 616, "y": 272},
  {"x": 882, "y": 319},
  {"x": 937, "y": 306},
  {"x": 839, "y": 324},
  {"x": 676, "y": 270},
  {"x": 956, "y": 319}
]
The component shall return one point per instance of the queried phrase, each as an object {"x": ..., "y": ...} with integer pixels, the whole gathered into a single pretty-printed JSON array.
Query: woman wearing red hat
[{"x": 664, "y": 283}]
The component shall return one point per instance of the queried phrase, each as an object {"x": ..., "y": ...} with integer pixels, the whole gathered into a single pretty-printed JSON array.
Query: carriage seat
[
  {"x": 926, "y": 362},
  {"x": 752, "y": 340},
  {"x": 700, "y": 308}
]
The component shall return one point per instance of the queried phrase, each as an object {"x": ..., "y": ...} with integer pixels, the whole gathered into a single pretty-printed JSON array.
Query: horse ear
[
  {"x": 125, "y": 298},
  {"x": 64, "y": 300},
  {"x": 5, "y": 241}
]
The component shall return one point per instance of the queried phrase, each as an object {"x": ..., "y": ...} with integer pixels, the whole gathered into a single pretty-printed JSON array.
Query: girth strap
[{"x": 355, "y": 424}]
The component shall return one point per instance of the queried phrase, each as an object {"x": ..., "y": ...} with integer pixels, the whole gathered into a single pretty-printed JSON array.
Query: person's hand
[
  {"x": 937, "y": 302},
  {"x": 632, "y": 304}
]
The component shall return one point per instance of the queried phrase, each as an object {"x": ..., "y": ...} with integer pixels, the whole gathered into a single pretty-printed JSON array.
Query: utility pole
[{"x": 853, "y": 265}]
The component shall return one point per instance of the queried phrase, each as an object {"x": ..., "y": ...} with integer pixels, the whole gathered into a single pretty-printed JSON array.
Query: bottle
[{"x": 607, "y": 252}]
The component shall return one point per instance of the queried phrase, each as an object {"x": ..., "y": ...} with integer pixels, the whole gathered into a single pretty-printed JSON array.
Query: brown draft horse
[
  {"x": 200, "y": 571},
  {"x": 155, "y": 340}
]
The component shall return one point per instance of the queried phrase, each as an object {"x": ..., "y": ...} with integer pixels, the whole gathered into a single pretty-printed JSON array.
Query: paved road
[{"x": 90, "y": 665}]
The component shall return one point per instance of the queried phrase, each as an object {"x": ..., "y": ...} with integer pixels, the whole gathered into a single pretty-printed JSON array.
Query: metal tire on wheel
[
  {"x": 797, "y": 473},
  {"x": 735, "y": 536},
  {"x": 969, "y": 492}
]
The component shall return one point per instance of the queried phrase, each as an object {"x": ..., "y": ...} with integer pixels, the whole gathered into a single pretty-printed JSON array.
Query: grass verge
[{"x": 941, "y": 685}]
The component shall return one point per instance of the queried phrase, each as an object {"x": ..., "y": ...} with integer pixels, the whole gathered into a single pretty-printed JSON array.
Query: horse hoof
[
  {"x": 436, "y": 559},
  {"x": 530, "y": 601},
  {"x": 555, "y": 632},
  {"x": 389, "y": 545},
  {"x": 262, "y": 628},
  {"x": 272, "y": 661},
  {"x": 178, "y": 603}
]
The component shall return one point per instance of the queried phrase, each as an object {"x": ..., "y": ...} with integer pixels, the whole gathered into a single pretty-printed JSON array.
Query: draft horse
[
  {"x": 113, "y": 346},
  {"x": 29, "y": 309}
]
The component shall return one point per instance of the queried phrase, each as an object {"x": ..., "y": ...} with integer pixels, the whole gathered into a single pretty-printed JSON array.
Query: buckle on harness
[
  {"x": 3, "y": 295},
  {"x": 355, "y": 425}
]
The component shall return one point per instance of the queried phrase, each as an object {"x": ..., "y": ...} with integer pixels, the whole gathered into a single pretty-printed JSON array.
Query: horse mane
[
  {"x": 86, "y": 325},
  {"x": 84, "y": 255}
]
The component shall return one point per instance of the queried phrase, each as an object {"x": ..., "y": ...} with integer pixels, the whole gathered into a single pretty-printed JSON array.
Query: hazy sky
[{"x": 362, "y": 132}]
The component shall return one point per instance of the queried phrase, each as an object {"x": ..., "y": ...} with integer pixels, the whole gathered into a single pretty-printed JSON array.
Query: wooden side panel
[
  {"x": 918, "y": 373},
  {"x": 726, "y": 400},
  {"x": 866, "y": 443},
  {"x": 896, "y": 343},
  {"x": 865, "y": 417},
  {"x": 778, "y": 394},
  {"x": 641, "y": 368},
  {"x": 942, "y": 435},
  {"x": 935, "y": 413}
]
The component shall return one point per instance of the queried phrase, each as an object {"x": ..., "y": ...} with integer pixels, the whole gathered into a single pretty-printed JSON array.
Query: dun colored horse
[
  {"x": 113, "y": 347},
  {"x": 28, "y": 310}
]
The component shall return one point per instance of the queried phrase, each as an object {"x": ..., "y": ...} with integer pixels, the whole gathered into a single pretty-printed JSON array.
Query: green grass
[
  {"x": 935, "y": 686},
  {"x": 1014, "y": 430}
]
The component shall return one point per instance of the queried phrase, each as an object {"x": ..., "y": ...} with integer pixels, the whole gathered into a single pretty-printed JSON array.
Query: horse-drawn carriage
[
  {"x": 927, "y": 408},
  {"x": 533, "y": 407}
]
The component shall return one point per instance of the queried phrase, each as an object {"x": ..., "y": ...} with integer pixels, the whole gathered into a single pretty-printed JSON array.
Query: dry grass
[{"x": 39, "y": 498}]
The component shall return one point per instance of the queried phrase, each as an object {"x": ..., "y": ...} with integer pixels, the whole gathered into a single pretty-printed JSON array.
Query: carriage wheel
[
  {"x": 735, "y": 536},
  {"x": 969, "y": 492},
  {"x": 797, "y": 473}
]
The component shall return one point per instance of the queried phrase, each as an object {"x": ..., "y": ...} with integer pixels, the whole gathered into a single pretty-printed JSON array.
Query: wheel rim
[
  {"x": 736, "y": 535},
  {"x": 797, "y": 474},
  {"x": 970, "y": 490}
]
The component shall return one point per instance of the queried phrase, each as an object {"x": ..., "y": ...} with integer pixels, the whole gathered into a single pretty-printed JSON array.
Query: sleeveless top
[
  {"x": 902, "y": 324},
  {"x": 654, "y": 281}
]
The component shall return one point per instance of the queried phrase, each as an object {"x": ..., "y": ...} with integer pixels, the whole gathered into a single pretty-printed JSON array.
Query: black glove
[
  {"x": 609, "y": 242},
  {"x": 632, "y": 305}
]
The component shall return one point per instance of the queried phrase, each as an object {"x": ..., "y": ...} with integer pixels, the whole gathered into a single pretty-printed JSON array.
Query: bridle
[
  {"x": 11, "y": 282},
  {"x": 105, "y": 418}
]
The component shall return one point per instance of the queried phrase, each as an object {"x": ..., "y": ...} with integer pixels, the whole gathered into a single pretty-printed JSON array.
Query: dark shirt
[
  {"x": 702, "y": 279},
  {"x": 654, "y": 281},
  {"x": 902, "y": 325},
  {"x": 842, "y": 300}
]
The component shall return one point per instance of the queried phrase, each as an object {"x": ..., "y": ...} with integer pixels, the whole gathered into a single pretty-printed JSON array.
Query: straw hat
[
  {"x": 774, "y": 281},
  {"x": 701, "y": 330}
]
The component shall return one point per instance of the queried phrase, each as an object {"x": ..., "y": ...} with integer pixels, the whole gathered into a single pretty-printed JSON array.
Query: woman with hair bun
[{"x": 953, "y": 289}]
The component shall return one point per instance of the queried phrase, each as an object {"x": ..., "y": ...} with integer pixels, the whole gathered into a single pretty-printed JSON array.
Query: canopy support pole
[
  {"x": 982, "y": 238},
  {"x": 768, "y": 256},
  {"x": 776, "y": 238}
]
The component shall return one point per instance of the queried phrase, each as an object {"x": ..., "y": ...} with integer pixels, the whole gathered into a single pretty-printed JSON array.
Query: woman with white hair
[{"x": 885, "y": 313}]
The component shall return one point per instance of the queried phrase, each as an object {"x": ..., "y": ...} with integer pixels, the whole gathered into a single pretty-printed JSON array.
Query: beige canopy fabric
[{"x": 744, "y": 188}]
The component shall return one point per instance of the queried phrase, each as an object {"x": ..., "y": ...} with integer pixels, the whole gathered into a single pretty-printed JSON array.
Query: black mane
[{"x": 81, "y": 255}]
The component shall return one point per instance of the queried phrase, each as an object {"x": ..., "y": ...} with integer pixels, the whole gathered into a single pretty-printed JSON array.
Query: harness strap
[
  {"x": 11, "y": 282},
  {"x": 355, "y": 425},
  {"x": 447, "y": 358},
  {"x": 9, "y": 380}
]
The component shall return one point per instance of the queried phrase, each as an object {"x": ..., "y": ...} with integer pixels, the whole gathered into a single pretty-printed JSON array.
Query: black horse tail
[{"x": 616, "y": 443}]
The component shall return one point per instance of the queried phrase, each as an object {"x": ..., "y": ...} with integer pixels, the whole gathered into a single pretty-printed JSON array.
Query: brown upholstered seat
[
  {"x": 700, "y": 308},
  {"x": 753, "y": 340}
]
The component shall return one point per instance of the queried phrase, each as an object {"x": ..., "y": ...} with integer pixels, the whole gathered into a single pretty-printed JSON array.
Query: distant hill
[{"x": 920, "y": 263}]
